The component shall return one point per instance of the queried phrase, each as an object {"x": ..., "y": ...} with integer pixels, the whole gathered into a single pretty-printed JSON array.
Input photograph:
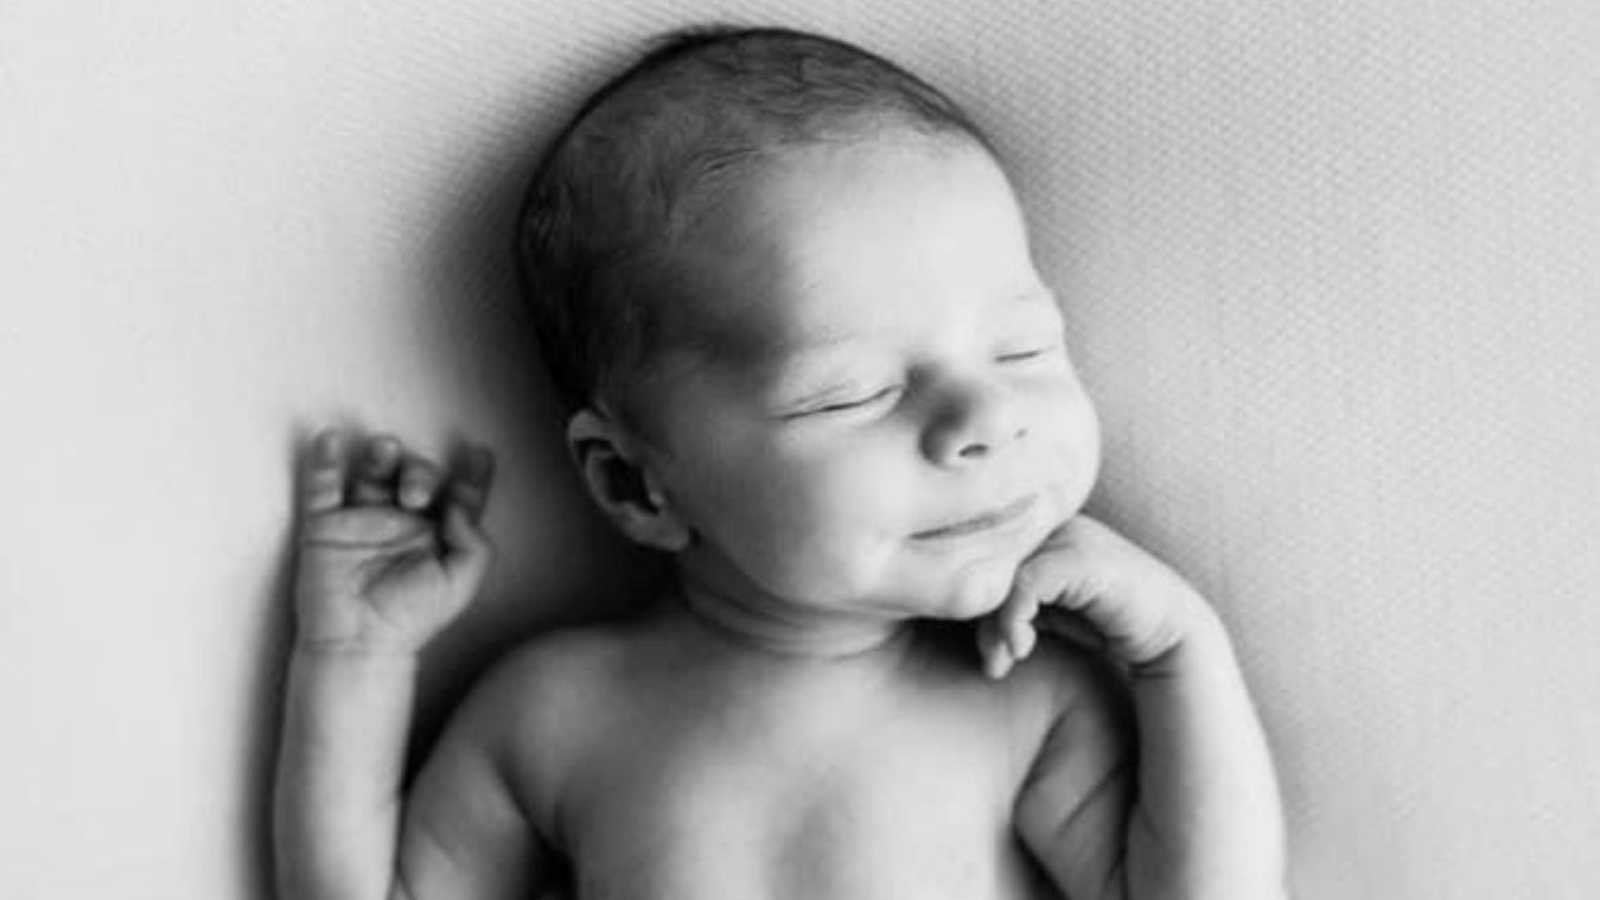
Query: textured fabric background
[{"x": 1332, "y": 270}]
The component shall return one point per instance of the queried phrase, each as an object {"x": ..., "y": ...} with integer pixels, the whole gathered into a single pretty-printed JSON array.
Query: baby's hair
[{"x": 651, "y": 151}]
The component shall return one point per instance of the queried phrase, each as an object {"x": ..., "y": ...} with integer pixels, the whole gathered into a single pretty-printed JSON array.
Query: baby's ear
[{"x": 611, "y": 465}]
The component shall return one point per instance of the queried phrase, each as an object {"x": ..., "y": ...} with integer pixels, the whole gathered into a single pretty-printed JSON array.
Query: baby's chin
[
  {"x": 981, "y": 586},
  {"x": 976, "y": 591}
]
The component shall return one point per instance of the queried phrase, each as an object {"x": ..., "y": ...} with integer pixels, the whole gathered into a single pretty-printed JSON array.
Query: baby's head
[
  {"x": 650, "y": 161},
  {"x": 786, "y": 292}
]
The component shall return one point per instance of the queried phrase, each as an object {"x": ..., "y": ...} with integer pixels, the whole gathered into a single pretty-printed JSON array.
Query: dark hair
[{"x": 649, "y": 151}]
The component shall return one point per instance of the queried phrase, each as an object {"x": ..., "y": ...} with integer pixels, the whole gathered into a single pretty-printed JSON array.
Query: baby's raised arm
[
  {"x": 1191, "y": 808},
  {"x": 389, "y": 552}
]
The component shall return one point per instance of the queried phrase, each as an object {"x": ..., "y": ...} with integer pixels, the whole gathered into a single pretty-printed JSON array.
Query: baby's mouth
[{"x": 992, "y": 519}]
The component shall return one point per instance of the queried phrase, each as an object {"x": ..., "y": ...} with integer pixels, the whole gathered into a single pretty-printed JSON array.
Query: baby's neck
[{"x": 790, "y": 633}]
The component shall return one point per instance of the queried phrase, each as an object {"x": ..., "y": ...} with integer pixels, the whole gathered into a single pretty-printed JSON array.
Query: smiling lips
[{"x": 989, "y": 520}]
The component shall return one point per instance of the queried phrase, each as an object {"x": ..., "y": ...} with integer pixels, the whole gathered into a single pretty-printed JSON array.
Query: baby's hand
[
  {"x": 1092, "y": 585},
  {"x": 390, "y": 549}
]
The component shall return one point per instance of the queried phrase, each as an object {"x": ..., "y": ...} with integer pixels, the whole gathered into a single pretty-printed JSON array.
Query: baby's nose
[{"x": 974, "y": 420}]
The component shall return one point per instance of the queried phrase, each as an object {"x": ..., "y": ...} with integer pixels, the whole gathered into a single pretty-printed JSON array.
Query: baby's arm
[
  {"x": 1197, "y": 813},
  {"x": 389, "y": 552}
]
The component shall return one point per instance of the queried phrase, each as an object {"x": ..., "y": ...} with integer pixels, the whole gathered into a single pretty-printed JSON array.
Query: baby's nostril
[{"x": 973, "y": 450}]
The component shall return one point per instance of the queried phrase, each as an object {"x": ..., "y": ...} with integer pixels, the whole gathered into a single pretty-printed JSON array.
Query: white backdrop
[{"x": 1331, "y": 269}]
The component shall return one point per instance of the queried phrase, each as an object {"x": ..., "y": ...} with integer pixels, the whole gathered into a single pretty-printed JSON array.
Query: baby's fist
[
  {"x": 1091, "y": 584},
  {"x": 390, "y": 548}
]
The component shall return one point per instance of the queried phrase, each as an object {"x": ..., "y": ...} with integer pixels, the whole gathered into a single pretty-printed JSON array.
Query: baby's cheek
[{"x": 795, "y": 553}]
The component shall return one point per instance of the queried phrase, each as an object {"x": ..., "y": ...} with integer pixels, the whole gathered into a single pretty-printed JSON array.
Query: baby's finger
[
  {"x": 419, "y": 483},
  {"x": 993, "y": 649},
  {"x": 373, "y": 478},
  {"x": 469, "y": 488},
  {"x": 322, "y": 473},
  {"x": 1072, "y": 626},
  {"x": 467, "y": 550},
  {"x": 1016, "y": 616}
]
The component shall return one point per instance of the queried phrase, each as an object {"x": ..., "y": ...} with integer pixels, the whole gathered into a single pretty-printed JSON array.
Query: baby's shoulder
[
  {"x": 557, "y": 675},
  {"x": 544, "y": 704}
]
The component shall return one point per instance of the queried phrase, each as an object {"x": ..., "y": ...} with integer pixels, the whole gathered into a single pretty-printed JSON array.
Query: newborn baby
[{"x": 786, "y": 290}]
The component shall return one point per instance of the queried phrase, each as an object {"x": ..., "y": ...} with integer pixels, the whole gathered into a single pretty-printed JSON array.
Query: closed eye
[
  {"x": 1025, "y": 355},
  {"x": 836, "y": 406}
]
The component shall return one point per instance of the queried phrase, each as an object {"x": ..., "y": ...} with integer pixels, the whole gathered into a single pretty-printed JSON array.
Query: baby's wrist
[
  {"x": 335, "y": 631},
  {"x": 1199, "y": 639},
  {"x": 357, "y": 654}
]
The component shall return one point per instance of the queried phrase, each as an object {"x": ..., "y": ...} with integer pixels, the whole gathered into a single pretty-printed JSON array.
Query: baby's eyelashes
[
  {"x": 862, "y": 395},
  {"x": 851, "y": 402},
  {"x": 1026, "y": 353}
]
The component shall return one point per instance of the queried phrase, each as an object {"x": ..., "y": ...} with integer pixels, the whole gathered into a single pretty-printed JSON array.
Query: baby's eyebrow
[
  {"x": 767, "y": 358},
  {"x": 771, "y": 354},
  {"x": 806, "y": 344},
  {"x": 827, "y": 340},
  {"x": 810, "y": 365}
]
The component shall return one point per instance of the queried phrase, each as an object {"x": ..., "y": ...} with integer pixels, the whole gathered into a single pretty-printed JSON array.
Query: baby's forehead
[
  {"x": 812, "y": 246},
  {"x": 762, "y": 330}
]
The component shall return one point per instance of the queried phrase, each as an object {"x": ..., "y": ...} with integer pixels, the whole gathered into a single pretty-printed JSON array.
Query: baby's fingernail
[
  {"x": 326, "y": 446},
  {"x": 382, "y": 449},
  {"x": 998, "y": 663},
  {"x": 1022, "y": 641}
]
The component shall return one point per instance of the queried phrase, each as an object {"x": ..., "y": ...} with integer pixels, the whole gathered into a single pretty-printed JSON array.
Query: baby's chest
[{"x": 911, "y": 807}]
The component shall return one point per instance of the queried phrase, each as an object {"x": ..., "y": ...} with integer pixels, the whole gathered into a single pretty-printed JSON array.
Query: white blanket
[{"x": 1332, "y": 272}]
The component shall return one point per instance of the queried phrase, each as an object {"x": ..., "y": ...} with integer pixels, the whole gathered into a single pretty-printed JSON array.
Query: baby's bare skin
[
  {"x": 674, "y": 762},
  {"x": 675, "y": 758},
  {"x": 873, "y": 440}
]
